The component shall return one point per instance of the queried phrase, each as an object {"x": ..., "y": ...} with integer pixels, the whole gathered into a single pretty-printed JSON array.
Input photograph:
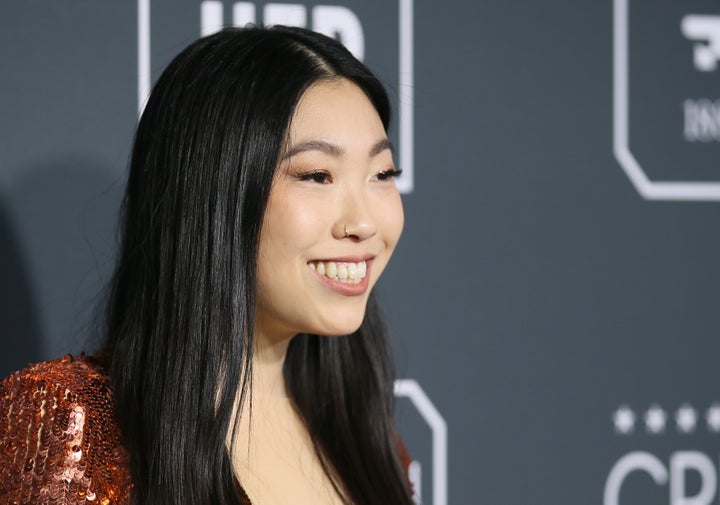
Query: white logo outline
[
  {"x": 648, "y": 189},
  {"x": 406, "y": 86},
  {"x": 410, "y": 389}
]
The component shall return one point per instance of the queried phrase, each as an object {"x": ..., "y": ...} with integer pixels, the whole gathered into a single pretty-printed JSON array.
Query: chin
[
  {"x": 340, "y": 328},
  {"x": 333, "y": 319},
  {"x": 339, "y": 331}
]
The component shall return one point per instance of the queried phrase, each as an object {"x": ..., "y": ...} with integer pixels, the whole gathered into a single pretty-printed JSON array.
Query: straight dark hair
[{"x": 182, "y": 298}]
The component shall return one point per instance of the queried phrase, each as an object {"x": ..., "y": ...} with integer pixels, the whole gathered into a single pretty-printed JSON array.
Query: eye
[
  {"x": 318, "y": 176},
  {"x": 387, "y": 175}
]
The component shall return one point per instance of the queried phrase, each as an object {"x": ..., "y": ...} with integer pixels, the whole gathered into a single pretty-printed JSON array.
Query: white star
[
  {"x": 712, "y": 416},
  {"x": 686, "y": 418},
  {"x": 655, "y": 419},
  {"x": 624, "y": 420}
]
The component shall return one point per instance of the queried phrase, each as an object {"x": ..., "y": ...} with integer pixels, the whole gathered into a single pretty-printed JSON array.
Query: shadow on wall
[
  {"x": 22, "y": 342},
  {"x": 58, "y": 235}
]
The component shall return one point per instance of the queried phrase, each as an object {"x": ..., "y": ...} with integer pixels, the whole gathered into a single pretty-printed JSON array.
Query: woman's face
[{"x": 333, "y": 218}]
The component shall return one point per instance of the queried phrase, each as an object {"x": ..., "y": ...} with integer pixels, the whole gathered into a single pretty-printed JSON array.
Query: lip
[
  {"x": 344, "y": 288},
  {"x": 346, "y": 259}
]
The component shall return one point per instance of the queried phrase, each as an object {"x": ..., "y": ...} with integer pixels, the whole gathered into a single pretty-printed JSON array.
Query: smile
[{"x": 342, "y": 271}]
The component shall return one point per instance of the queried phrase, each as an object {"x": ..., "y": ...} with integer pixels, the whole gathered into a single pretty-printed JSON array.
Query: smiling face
[{"x": 333, "y": 217}]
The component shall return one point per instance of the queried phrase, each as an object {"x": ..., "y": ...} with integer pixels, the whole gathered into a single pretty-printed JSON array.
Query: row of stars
[{"x": 656, "y": 419}]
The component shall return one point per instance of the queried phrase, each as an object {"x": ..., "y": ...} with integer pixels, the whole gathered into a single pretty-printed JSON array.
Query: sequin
[{"x": 59, "y": 441}]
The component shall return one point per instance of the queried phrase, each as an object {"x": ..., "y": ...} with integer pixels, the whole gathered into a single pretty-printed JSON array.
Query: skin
[{"x": 334, "y": 176}]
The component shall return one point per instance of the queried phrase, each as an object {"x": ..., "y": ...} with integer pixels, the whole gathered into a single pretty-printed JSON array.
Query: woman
[{"x": 246, "y": 357}]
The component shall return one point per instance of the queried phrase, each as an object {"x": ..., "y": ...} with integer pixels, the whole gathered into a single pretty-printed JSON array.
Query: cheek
[
  {"x": 393, "y": 219},
  {"x": 293, "y": 227}
]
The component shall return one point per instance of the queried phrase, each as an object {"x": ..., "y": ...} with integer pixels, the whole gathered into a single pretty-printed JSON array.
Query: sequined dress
[{"x": 59, "y": 439}]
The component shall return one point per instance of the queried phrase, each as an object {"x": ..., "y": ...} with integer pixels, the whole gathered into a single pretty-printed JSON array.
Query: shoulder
[
  {"x": 72, "y": 372},
  {"x": 59, "y": 438}
]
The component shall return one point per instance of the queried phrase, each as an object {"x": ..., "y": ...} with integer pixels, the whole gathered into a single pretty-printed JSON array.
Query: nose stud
[{"x": 346, "y": 231}]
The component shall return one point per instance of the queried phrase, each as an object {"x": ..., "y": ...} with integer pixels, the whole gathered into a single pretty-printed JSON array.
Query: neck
[{"x": 268, "y": 358}]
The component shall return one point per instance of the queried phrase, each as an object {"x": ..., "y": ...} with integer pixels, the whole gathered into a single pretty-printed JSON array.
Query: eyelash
[
  {"x": 386, "y": 175},
  {"x": 321, "y": 177}
]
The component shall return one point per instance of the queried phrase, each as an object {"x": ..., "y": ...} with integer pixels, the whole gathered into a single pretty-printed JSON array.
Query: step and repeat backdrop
[{"x": 555, "y": 298}]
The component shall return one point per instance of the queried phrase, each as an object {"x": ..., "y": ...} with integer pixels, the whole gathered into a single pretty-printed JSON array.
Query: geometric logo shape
[
  {"x": 410, "y": 389},
  {"x": 706, "y": 52}
]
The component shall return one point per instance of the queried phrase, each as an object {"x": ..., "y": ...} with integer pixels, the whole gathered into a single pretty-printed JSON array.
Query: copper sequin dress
[{"x": 59, "y": 439}]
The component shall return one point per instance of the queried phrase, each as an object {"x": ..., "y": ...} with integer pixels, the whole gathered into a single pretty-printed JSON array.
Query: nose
[{"x": 356, "y": 220}]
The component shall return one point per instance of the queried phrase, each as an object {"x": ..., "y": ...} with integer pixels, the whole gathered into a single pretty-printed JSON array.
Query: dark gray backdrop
[{"x": 563, "y": 325}]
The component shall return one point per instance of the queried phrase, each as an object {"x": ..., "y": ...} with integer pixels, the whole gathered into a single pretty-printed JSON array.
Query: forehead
[{"x": 335, "y": 110}]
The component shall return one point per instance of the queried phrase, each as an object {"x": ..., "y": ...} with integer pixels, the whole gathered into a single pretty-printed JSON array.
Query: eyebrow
[{"x": 334, "y": 149}]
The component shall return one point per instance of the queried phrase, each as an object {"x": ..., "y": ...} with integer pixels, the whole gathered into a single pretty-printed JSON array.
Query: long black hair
[{"x": 182, "y": 298}]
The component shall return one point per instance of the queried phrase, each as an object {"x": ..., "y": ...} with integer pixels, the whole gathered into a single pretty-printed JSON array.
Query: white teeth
[
  {"x": 348, "y": 272},
  {"x": 331, "y": 269}
]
